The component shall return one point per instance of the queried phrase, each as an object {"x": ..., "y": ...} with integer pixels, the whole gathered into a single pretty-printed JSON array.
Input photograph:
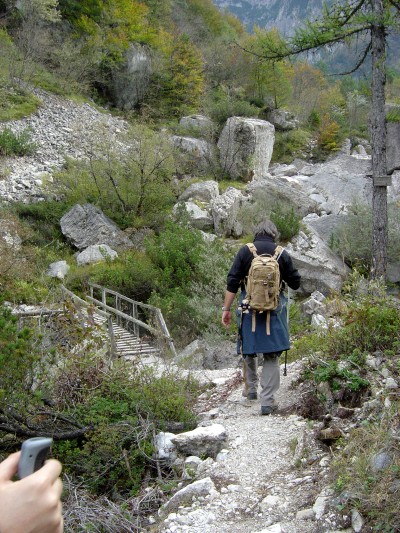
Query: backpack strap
[
  {"x": 253, "y": 321},
  {"x": 268, "y": 323},
  {"x": 278, "y": 252},
  {"x": 252, "y": 249}
]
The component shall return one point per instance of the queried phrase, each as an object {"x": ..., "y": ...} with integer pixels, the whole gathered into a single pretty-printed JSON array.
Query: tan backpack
[{"x": 263, "y": 282}]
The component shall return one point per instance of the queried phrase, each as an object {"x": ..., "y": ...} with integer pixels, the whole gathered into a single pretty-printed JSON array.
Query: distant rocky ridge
[{"x": 285, "y": 15}]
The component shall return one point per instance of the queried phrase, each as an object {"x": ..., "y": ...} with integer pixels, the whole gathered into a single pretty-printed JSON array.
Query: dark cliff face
[{"x": 286, "y": 15}]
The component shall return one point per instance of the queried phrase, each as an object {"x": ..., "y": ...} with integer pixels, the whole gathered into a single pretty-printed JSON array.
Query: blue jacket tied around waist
[
  {"x": 255, "y": 339},
  {"x": 250, "y": 342}
]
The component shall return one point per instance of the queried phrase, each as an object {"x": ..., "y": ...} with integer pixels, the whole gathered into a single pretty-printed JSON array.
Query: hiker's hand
[
  {"x": 32, "y": 504},
  {"x": 226, "y": 318}
]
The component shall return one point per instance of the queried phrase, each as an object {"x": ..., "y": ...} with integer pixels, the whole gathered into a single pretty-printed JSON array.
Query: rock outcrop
[
  {"x": 86, "y": 225},
  {"x": 246, "y": 146}
]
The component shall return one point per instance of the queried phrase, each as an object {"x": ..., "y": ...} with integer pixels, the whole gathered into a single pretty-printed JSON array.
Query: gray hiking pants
[{"x": 270, "y": 376}]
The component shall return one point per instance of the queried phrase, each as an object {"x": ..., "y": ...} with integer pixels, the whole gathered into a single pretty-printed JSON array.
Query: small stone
[
  {"x": 305, "y": 514},
  {"x": 357, "y": 521}
]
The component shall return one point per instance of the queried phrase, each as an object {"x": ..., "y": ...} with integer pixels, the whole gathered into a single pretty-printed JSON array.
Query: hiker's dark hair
[{"x": 266, "y": 227}]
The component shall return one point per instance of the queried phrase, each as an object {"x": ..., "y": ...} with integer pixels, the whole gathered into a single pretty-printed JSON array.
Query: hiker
[
  {"x": 261, "y": 332},
  {"x": 32, "y": 504}
]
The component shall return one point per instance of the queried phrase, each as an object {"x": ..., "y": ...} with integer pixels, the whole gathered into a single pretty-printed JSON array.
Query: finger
[
  {"x": 51, "y": 470},
  {"x": 58, "y": 487},
  {"x": 9, "y": 467},
  {"x": 61, "y": 528}
]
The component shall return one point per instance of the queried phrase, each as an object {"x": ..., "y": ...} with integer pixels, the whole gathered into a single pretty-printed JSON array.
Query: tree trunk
[{"x": 378, "y": 141}]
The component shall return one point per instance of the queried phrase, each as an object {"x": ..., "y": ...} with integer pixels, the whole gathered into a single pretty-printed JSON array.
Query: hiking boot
[
  {"x": 252, "y": 396},
  {"x": 268, "y": 409}
]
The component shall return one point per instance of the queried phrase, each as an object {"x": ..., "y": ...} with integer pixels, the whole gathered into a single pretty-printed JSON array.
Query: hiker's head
[{"x": 266, "y": 227}]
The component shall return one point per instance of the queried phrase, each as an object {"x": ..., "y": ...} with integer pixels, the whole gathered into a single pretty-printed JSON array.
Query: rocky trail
[{"x": 273, "y": 475}]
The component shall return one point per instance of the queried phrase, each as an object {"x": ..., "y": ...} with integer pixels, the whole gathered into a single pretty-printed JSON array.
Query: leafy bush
[
  {"x": 18, "y": 357},
  {"x": 353, "y": 238},
  {"x": 15, "y": 143},
  {"x": 271, "y": 205},
  {"x": 103, "y": 416},
  {"x": 223, "y": 104},
  {"x": 286, "y": 221},
  {"x": 192, "y": 281},
  {"x": 16, "y": 103},
  {"x": 132, "y": 185},
  {"x": 369, "y": 323},
  {"x": 329, "y": 134},
  {"x": 132, "y": 274},
  {"x": 43, "y": 219},
  {"x": 290, "y": 144},
  {"x": 177, "y": 252},
  {"x": 20, "y": 266},
  {"x": 125, "y": 409}
]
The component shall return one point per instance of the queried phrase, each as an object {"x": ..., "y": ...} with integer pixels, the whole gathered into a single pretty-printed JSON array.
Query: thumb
[
  {"x": 51, "y": 470},
  {"x": 9, "y": 467}
]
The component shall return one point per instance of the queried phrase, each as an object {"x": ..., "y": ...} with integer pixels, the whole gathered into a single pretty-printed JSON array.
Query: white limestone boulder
[
  {"x": 198, "y": 123},
  {"x": 225, "y": 209},
  {"x": 203, "y": 441},
  {"x": 246, "y": 146},
  {"x": 96, "y": 254},
  {"x": 199, "y": 217},
  {"x": 321, "y": 270},
  {"x": 58, "y": 269},
  {"x": 184, "y": 497},
  {"x": 204, "y": 191}
]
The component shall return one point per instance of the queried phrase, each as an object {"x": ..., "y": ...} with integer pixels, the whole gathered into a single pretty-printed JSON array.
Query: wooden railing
[
  {"x": 131, "y": 315},
  {"x": 107, "y": 316}
]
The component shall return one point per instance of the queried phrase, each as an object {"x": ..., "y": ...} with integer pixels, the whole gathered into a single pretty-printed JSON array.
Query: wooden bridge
[{"x": 136, "y": 330}]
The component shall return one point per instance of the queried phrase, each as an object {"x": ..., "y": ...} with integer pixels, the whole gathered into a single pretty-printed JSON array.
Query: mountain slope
[{"x": 286, "y": 15}]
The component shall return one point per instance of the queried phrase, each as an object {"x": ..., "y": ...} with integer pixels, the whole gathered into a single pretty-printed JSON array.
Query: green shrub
[
  {"x": 369, "y": 326},
  {"x": 270, "y": 204},
  {"x": 21, "y": 265},
  {"x": 179, "y": 314},
  {"x": 177, "y": 252},
  {"x": 353, "y": 238},
  {"x": 15, "y": 143},
  {"x": 370, "y": 323},
  {"x": 192, "y": 281},
  {"x": 223, "y": 104},
  {"x": 132, "y": 274},
  {"x": 125, "y": 409},
  {"x": 286, "y": 221},
  {"x": 18, "y": 356},
  {"x": 16, "y": 103},
  {"x": 43, "y": 219},
  {"x": 289, "y": 145},
  {"x": 133, "y": 187}
]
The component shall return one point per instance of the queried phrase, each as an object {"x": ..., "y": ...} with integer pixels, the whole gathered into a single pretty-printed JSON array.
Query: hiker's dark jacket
[{"x": 258, "y": 341}]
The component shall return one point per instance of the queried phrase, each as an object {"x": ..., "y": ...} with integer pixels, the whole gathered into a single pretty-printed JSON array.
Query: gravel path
[{"x": 272, "y": 477}]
